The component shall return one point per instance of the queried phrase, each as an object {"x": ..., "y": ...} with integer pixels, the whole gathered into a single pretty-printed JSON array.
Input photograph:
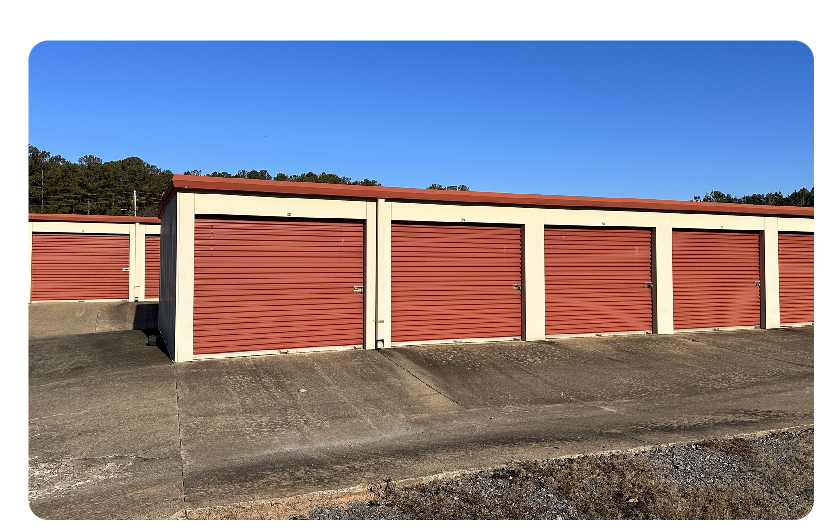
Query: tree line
[
  {"x": 92, "y": 186},
  {"x": 798, "y": 198},
  {"x": 308, "y": 177}
]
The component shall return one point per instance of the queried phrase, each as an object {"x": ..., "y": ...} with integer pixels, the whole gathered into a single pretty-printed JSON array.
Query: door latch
[
  {"x": 647, "y": 285},
  {"x": 358, "y": 289},
  {"x": 125, "y": 269},
  {"x": 757, "y": 283},
  {"x": 517, "y": 287}
]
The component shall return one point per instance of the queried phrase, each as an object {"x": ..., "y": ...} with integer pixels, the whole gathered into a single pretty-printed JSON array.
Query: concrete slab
[
  {"x": 110, "y": 415},
  {"x": 103, "y": 429},
  {"x": 50, "y": 319}
]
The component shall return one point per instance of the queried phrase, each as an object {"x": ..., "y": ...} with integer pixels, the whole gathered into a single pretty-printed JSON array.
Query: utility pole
[
  {"x": 41, "y": 190},
  {"x": 135, "y": 208}
]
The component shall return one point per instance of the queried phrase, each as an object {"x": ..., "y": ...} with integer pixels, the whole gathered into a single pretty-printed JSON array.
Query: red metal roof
[
  {"x": 256, "y": 186},
  {"x": 93, "y": 218}
]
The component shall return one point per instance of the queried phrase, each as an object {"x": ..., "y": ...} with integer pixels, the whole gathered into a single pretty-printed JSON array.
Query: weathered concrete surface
[
  {"x": 103, "y": 431},
  {"x": 267, "y": 427}
]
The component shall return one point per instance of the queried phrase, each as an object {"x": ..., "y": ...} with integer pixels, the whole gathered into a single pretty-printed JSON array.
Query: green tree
[
  {"x": 798, "y": 198},
  {"x": 436, "y": 186},
  {"x": 366, "y": 183},
  {"x": 259, "y": 174},
  {"x": 801, "y": 198},
  {"x": 323, "y": 177},
  {"x": 89, "y": 181},
  {"x": 53, "y": 183},
  {"x": 38, "y": 161},
  {"x": 65, "y": 185},
  {"x": 716, "y": 196},
  {"x": 92, "y": 186}
]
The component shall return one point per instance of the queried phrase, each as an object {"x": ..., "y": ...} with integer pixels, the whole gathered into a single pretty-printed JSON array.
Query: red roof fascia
[
  {"x": 93, "y": 218},
  {"x": 224, "y": 184}
]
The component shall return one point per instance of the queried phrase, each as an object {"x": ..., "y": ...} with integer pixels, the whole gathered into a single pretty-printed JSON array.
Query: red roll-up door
[
  {"x": 455, "y": 282},
  {"x": 73, "y": 267},
  {"x": 597, "y": 280},
  {"x": 262, "y": 285},
  {"x": 715, "y": 278},
  {"x": 151, "y": 266},
  {"x": 796, "y": 278}
]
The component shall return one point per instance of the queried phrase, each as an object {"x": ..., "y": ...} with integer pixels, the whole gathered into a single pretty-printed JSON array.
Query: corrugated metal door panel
[
  {"x": 272, "y": 285},
  {"x": 597, "y": 280},
  {"x": 151, "y": 266},
  {"x": 715, "y": 276},
  {"x": 796, "y": 278},
  {"x": 72, "y": 267},
  {"x": 455, "y": 282}
]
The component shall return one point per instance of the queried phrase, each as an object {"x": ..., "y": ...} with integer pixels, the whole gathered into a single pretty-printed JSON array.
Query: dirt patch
[{"x": 283, "y": 509}]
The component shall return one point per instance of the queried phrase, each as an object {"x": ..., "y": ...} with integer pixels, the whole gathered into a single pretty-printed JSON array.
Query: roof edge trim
[
  {"x": 93, "y": 218},
  {"x": 224, "y": 184}
]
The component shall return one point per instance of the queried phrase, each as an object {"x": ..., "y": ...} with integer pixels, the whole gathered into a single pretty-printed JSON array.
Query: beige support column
[
  {"x": 139, "y": 264},
  {"x": 29, "y": 271},
  {"x": 131, "y": 294},
  {"x": 769, "y": 274},
  {"x": 370, "y": 274},
  {"x": 183, "y": 347},
  {"x": 662, "y": 275},
  {"x": 533, "y": 277},
  {"x": 383, "y": 296}
]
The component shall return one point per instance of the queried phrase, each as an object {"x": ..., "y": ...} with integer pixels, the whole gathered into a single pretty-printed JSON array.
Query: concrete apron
[
  {"x": 219, "y": 432},
  {"x": 48, "y": 319}
]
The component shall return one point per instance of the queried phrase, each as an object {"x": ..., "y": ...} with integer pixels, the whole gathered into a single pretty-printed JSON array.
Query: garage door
[
  {"x": 151, "y": 266},
  {"x": 715, "y": 277},
  {"x": 796, "y": 278},
  {"x": 73, "y": 267},
  {"x": 455, "y": 282},
  {"x": 598, "y": 280},
  {"x": 270, "y": 285}
]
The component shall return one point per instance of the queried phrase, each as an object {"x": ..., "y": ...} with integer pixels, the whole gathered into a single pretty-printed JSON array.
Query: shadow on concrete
[
  {"x": 146, "y": 316},
  {"x": 154, "y": 338},
  {"x": 146, "y": 320}
]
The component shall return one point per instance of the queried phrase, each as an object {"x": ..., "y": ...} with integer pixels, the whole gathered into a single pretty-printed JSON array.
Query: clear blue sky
[{"x": 663, "y": 120}]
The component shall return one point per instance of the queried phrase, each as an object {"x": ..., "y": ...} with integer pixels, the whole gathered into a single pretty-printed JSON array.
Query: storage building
[
  {"x": 74, "y": 257},
  {"x": 254, "y": 267}
]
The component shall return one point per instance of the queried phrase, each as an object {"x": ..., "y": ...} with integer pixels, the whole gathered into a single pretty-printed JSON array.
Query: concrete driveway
[{"x": 118, "y": 431}]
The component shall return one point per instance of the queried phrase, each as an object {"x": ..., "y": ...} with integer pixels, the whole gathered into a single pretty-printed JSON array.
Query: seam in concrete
[
  {"x": 423, "y": 382},
  {"x": 181, "y": 447}
]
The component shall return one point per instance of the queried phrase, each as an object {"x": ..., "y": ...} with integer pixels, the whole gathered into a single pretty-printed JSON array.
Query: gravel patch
[{"x": 763, "y": 476}]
